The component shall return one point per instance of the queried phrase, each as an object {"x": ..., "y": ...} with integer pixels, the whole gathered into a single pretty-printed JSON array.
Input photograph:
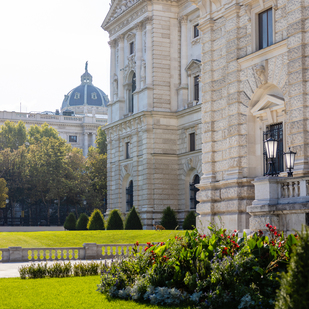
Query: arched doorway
[
  {"x": 193, "y": 191},
  {"x": 129, "y": 197}
]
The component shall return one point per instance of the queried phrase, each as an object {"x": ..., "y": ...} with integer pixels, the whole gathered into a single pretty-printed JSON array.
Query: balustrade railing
[{"x": 88, "y": 251}]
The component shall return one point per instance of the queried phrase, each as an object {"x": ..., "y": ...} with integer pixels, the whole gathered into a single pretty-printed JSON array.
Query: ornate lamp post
[
  {"x": 289, "y": 161},
  {"x": 271, "y": 149}
]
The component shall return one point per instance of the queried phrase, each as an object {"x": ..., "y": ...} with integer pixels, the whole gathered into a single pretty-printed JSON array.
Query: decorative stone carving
[
  {"x": 261, "y": 73},
  {"x": 248, "y": 8},
  {"x": 115, "y": 84},
  {"x": 143, "y": 71},
  {"x": 130, "y": 66}
]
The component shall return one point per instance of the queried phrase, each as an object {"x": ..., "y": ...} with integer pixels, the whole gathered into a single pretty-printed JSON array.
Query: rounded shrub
[
  {"x": 114, "y": 221},
  {"x": 133, "y": 221},
  {"x": 70, "y": 222},
  {"x": 82, "y": 222},
  {"x": 293, "y": 292},
  {"x": 96, "y": 221},
  {"x": 190, "y": 221},
  {"x": 168, "y": 220}
]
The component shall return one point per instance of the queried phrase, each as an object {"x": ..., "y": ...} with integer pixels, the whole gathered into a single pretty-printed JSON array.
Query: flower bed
[{"x": 220, "y": 270}]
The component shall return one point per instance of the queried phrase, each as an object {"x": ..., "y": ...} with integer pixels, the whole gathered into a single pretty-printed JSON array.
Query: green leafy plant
[
  {"x": 115, "y": 221},
  {"x": 293, "y": 292},
  {"x": 190, "y": 221},
  {"x": 133, "y": 221},
  {"x": 82, "y": 222},
  {"x": 96, "y": 221},
  {"x": 168, "y": 220},
  {"x": 70, "y": 222}
]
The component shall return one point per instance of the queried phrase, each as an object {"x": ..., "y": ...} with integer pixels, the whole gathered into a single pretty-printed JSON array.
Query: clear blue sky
[{"x": 44, "y": 47}]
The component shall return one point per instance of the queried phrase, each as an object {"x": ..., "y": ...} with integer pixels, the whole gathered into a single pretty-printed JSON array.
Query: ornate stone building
[
  {"x": 83, "y": 111},
  {"x": 249, "y": 61}
]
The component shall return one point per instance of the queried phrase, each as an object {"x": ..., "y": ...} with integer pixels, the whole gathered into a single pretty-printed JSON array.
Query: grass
[
  {"x": 77, "y": 238},
  {"x": 74, "y": 292}
]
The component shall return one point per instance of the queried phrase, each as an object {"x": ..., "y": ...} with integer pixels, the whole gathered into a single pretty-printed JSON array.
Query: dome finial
[{"x": 86, "y": 66}]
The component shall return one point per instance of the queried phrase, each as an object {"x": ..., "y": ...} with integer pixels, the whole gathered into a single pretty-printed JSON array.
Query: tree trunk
[{"x": 58, "y": 211}]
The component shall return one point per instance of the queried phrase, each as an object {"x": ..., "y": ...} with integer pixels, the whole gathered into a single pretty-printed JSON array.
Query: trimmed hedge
[
  {"x": 133, "y": 221},
  {"x": 82, "y": 222},
  {"x": 294, "y": 289},
  {"x": 114, "y": 221},
  {"x": 96, "y": 221},
  {"x": 168, "y": 220},
  {"x": 70, "y": 222},
  {"x": 190, "y": 221}
]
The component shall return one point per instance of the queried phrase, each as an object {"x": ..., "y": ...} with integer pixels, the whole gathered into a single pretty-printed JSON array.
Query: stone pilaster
[
  {"x": 120, "y": 66},
  {"x": 139, "y": 53}
]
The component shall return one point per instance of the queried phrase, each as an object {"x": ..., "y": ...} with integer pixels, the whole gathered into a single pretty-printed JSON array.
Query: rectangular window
[
  {"x": 266, "y": 28},
  {"x": 196, "y": 88},
  {"x": 276, "y": 132},
  {"x": 131, "y": 48},
  {"x": 196, "y": 32},
  {"x": 127, "y": 150},
  {"x": 192, "y": 141},
  {"x": 72, "y": 139}
]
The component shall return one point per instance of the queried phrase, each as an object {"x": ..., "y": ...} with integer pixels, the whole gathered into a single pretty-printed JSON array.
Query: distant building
[{"x": 83, "y": 111}]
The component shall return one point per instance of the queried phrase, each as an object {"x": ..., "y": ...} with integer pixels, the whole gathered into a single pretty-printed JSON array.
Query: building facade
[
  {"x": 83, "y": 111},
  {"x": 248, "y": 60}
]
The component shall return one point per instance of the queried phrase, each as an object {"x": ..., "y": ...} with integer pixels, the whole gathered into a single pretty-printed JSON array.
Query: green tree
[
  {"x": 96, "y": 166},
  {"x": 70, "y": 222},
  {"x": 3, "y": 193},
  {"x": 294, "y": 290},
  {"x": 96, "y": 221},
  {"x": 168, "y": 219},
  {"x": 35, "y": 133},
  {"x": 133, "y": 221},
  {"x": 101, "y": 141},
  {"x": 190, "y": 221},
  {"x": 12, "y": 135},
  {"x": 82, "y": 222},
  {"x": 115, "y": 221}
]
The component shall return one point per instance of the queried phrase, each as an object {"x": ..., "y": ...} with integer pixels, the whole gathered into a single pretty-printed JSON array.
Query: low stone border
[{"x": 89, "y": 251}]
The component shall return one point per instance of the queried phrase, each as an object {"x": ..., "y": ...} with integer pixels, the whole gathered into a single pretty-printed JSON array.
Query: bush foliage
[
  {"x": 294, "y": 290},
  {"x": 82, "y": 222},
  {"x": 115, "y": 221},
  {"x": 168, "y": 220},
  {"x": 218, "y": 271},
  {"x": 96, "y": 221},
  {"x": 70, "y": 222},
  {"x": 190, "y": 221},
  {"x": 133, "y": 221},
  {"x": 61, "y": 270}
]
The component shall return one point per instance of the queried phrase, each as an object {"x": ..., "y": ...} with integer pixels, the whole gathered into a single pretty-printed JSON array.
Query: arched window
[
  {"x": 129, "y": 192},
  {"x": 193, "y": 191},
  {"x": 131, "y": 98}
]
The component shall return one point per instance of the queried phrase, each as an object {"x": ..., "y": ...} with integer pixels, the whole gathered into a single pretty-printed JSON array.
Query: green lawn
[
  {"x": 77, "y": 238},
  {"x": 74, "y": 292}
]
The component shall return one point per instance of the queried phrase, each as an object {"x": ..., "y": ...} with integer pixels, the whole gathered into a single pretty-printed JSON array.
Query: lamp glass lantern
[
  {"x": 271, "y": 146},
  {"x": 289, "y": 161}
]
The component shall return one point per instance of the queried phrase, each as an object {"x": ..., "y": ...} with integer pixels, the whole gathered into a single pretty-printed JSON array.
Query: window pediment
[
  {"x": 194, "y": 66},
  {"x": 268, "y": 103}
]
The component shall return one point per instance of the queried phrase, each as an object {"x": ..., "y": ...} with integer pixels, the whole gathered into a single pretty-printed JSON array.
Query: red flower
[
  {"x": 137, "y": 243},
  {"x": 162, "y": 243},
  {"x": 276, "y": 233},
  {"x": 146, "y": 249},
  {"x": 235, "y": 231},
  {"x": 148, "y": 243},
  {"x": 270, "y": 226},
  {"x": 225, "y": 248},
  {"x": 267, "y": 225},
  {"x": 229, "y": 237},
  {"x": 233, "y": 235},
  {"x": 237, "y": 245},
  {"x": 204, "y": 236},
  {"x": 274, "y": 228},
  {"x": 222, "y": 235}
]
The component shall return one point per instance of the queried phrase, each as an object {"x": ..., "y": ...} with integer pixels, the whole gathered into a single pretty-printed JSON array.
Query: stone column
[
  {"x": 139, "y": 53},
  {"x": 148, "y": 52},
  {"x": 93, "y": 139},
  {"x": 85, "y": 150},
  {"x": 112, "y": 70},
  {"x": 121, "y": 67}
]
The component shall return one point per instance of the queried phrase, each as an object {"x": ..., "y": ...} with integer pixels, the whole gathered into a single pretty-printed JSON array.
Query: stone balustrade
[
  {"x": 280, "y": 201},
  {"x": 89, "y": 251}
]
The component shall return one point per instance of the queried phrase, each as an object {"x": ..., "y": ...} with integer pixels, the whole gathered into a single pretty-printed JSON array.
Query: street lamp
[
  {"x": 289, "y": 161},
  {"x": 271, "y": 150}
]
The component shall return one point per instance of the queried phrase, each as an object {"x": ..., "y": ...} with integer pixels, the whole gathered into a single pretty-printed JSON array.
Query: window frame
[
  {"x": 192, "y": 141},
  {"x": 255, "y": 11},
  {"x": 74, "y": 139},
  {"x": 196, "y": 31},
  {"x": 196, "y": 88},
  {"x": 261, "y": 25}
]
